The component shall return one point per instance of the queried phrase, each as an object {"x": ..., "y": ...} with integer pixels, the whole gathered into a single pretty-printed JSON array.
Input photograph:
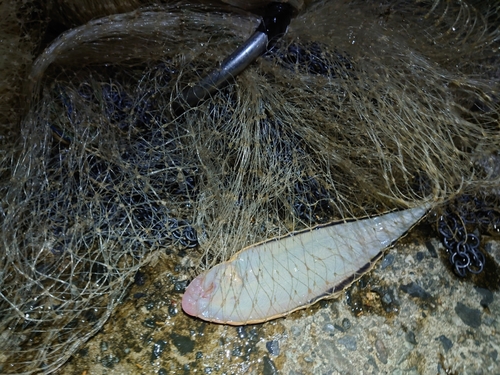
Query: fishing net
[{"x": 359, "y": 109}]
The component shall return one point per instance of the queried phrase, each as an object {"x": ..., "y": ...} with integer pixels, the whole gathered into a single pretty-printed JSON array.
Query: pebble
[
  {"x": 349, "y": 342},
  {"x": 158, "y": 349},
  {"x": 346, "y": 323},
  {"x": 470, "y": 317},
  {"x": 140, "y": 278},
  {"x": 273, "y": 347},
  {"x": 410, "y": 337},
  {"x": 387, "y": 261},
  {"x": 415, "y": 290},
  {"x": 446, "y": 342},
  {"x": 381, "y": 351},
  {"x": 387, "y": 298},
  {"x": 241, "y": 331},
  {"x": 269, "y": 366}
]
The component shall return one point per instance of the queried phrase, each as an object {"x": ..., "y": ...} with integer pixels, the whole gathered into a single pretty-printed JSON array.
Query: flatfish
[{"x": 275, "y": 277}]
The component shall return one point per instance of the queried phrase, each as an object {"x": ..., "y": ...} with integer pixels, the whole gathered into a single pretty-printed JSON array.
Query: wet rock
[
  {"x": 415, "y": 290},
  {"x": 471, "y": 317},
  {"x": 387, "y": 298},
  {"x": 387, "y": 261},
  {"x": 241, "y": 331},
  {"x": 158, "y": 349},
  {"x": 180, "y": 286},
  {"x": 269, "y": 366},
  {"x": 273, "y": 347}
]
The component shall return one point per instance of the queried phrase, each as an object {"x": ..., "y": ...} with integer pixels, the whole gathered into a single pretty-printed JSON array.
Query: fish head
[{"x": 213, "y": 295}]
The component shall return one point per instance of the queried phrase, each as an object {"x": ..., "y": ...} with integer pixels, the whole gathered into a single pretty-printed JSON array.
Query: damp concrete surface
[{"x": 410, "y": 315}]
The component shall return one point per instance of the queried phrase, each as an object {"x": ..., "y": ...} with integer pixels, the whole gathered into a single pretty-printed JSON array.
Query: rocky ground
[{"x": 410, "y": 315}]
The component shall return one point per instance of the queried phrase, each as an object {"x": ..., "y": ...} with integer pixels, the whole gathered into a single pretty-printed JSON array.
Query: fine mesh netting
[{"x": 359, "y": 109}]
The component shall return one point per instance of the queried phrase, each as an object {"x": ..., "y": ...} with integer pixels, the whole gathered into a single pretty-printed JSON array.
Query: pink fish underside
[{"x": 272, "y": 278}]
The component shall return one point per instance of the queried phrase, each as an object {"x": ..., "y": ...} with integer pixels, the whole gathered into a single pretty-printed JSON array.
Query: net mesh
[{"x": 373, "y": 114}]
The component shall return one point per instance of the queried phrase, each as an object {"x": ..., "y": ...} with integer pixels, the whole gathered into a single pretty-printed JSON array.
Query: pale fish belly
[{"x": 273, "y": 278}]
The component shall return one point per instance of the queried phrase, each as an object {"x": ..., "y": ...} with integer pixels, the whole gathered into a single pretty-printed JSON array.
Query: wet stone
[
  {"x": 415, "y": 290},
  {"x": 470, "y": 317},
  {"x": 180, "y": 286},
  {"x": 173, "y": 310},
  {"x": 269, "y": 366},
  {"x": 349, "y": 342},
  {"x": 445, "y": 342},
  {"x": 162, "y": 371},
  {"x": 236, "y": 352},
  {"x": 158, "y": 349},
  {"x": 273, "y": 347},
  {"x": 420, "y": 256},
  {"x": 387, "y": 298},
  {"x": 241, "y": 331},
  {"x": 387, "y": 261}
]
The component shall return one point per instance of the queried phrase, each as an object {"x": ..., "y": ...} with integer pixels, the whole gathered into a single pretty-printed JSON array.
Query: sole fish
[{"x": 273, "y": 278}]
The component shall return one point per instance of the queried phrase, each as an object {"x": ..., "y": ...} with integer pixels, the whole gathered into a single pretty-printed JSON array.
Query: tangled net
[{"x": 330, "y": 124}]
